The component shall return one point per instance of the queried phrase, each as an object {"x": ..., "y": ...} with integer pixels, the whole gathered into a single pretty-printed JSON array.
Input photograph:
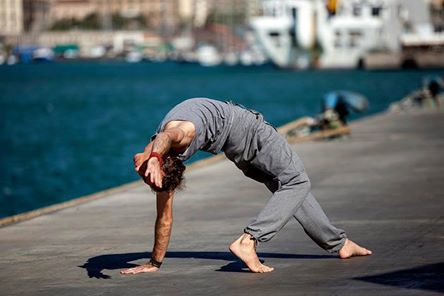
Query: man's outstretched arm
[
  {"x": 162, "y": 233},
  {"x": 164, "y": 225}
]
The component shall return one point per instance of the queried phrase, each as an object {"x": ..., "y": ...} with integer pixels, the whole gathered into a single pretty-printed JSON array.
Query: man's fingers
[
  {"x": 153, "y": 173},
  {"x": 155, "y": 178},
  {"x": 158, "y": 180},
  {"x": 152, "y": 180},
  {"x": 137, "y": 158},
  {"x": 138, "y": 269},
  {"x": 132, "y": 270}
]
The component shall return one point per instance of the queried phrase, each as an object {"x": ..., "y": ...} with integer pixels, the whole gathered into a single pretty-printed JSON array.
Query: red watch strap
[{"x": 158, "y": 156}]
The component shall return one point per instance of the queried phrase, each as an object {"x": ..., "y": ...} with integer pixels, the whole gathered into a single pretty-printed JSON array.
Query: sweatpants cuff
[
  {"x": 254, "y": 236},
  {"x": 339, "y": 246}
]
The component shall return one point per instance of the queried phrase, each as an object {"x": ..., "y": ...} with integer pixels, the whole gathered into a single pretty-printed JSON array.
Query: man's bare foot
[
  {"x": 351, "y": 249},
  {"x": 245, "y": 249},
  {"x": 140, "y": 269}
]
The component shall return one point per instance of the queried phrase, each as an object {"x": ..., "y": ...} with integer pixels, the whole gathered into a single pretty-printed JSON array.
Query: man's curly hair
[{"x": 173, "y": 169}]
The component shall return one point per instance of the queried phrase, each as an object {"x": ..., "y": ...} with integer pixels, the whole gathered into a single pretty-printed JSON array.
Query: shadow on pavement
[
  {"x": 95, "y": 265},
  {"x": 425, "y": 277}
]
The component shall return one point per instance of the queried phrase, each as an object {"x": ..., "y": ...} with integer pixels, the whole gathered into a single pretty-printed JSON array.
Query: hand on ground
[{"x": 139, "y": 269}]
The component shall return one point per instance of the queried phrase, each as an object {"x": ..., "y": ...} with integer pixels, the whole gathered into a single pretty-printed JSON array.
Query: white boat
[
  {"x": 43, "y": 54},
  {"x": 231, "y": 59},
  {"x": 11, "y": 60},
  {"x": 97, "y": 52},
  {"x": 282, "y": 29},
  {"x": 134, "y": 57},
  {"x": 208, "y": 56},
  {"x": 372, "y": 26},
  {"x": 289, "y": 30}
]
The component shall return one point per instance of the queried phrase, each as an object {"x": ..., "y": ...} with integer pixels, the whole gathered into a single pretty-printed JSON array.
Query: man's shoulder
[{"x": 185, "y": 125}]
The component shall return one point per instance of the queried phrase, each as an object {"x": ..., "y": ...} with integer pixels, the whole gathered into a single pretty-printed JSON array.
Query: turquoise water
[{"x": 70, "y": 129}]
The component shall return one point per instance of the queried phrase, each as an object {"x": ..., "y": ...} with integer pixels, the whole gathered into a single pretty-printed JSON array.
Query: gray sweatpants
[{"x": 265, "y": 156}]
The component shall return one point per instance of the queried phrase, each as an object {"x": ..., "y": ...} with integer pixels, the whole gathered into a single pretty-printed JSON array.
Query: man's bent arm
[
  {"x": 164, "y": 140},
  {"x": 164, "y": 224},
  {"x": 161, "y": 145}
]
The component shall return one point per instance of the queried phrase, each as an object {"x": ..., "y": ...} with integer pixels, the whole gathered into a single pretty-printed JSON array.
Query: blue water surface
[{"x": 70, "y": 129}]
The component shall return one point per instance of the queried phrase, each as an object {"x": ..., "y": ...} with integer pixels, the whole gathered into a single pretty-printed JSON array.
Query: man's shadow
[{"x": 96, "y": 265}]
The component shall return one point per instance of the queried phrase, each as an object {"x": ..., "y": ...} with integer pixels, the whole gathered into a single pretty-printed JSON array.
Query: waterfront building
[
  {"x": 11, "y": 17},
  {"x": 113, "y": 42},
  {"x": 36, "y": 15},
  {"x": 23, "y": 16},
  {"x": 201, "y": 11},
  {"x": 71, "y": 9},
  {"x": 161, "y": 15}
]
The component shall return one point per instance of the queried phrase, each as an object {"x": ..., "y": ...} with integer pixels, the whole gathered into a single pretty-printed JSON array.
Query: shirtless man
[{"x": 260, "y": 152}]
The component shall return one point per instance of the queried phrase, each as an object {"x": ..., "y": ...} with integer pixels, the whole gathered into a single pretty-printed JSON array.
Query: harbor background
[
  {"x": 290, "y": 34},
  {"x": 84, "y": 83},
  {"x": 70, "y": 129}
]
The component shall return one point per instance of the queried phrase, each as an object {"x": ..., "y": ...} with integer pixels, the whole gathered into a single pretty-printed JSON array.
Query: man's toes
[
  {"x": 265, "y": 268},
  {"x": 254, "y": 268}
]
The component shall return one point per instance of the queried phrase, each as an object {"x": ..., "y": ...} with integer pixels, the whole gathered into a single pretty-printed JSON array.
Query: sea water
[{"x": 70, "y": 129}]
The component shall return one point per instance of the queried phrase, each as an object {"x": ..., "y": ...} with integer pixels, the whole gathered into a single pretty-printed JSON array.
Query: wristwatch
[{"x": 155, "y": 263}]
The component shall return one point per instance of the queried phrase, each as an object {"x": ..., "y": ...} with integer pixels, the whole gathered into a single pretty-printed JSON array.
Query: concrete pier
[{"x": 383, "y": 185}]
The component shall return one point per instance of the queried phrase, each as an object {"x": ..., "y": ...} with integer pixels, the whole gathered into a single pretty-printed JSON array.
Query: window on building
[
  {"x": 352, "y": 43},
  {"x": 357, "y": 10},
  {"x": 376, "y": 11},
  {"x": 275, "y": 36},
  {"x": 337, "y": 41},
  {"x": 355, "y": 33},
  {"x": 354, "y": 37}
]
